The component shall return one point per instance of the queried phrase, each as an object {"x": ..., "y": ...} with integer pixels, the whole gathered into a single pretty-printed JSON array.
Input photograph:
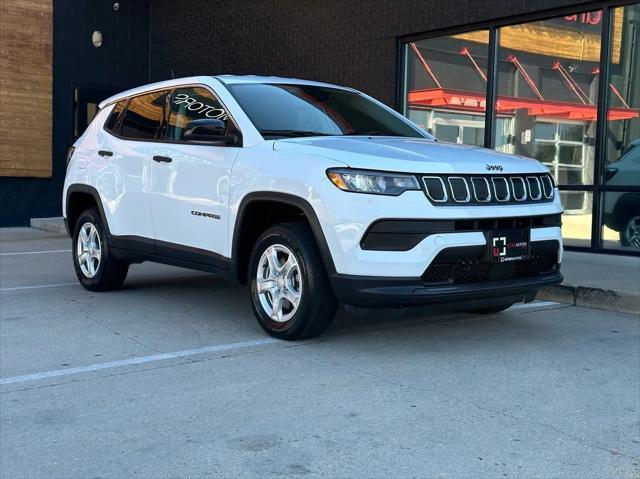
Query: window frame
[
  {"x": 116, "y": 126},
  {"x": 126, "y": 108},
  {"x": 162, "y": 129}
]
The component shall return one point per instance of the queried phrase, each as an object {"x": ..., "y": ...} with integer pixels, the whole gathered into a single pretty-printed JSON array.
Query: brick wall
[{"x": 351, "y": 42}]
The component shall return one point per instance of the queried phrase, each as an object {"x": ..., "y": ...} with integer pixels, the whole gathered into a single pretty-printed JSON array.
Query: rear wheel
[
  {"x": 96, "y": 268},
  {"x": 290, "y": 292}
]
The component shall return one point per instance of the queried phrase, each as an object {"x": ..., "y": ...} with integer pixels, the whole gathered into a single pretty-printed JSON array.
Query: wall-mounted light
[{"x": 96, "y": 39}]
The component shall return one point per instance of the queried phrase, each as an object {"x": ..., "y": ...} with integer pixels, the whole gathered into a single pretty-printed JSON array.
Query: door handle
[
  {"x": 105, "y": 153},
  {"x": 162, "y": 159}
]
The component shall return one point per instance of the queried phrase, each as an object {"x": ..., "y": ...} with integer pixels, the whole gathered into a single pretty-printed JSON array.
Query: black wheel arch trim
[
  {"x": 86, "y": 189},
  {"x": 287, "y": 199}
]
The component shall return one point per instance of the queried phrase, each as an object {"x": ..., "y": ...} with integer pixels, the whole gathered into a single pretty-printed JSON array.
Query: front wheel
[
  {"x": 630, "y": 232},
  {"x": 290, "y": 292}
]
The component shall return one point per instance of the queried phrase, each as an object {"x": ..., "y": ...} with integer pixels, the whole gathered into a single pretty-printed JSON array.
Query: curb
[
  {"x": 53, "y": 225},
  {"x": 595, "y": 298}
]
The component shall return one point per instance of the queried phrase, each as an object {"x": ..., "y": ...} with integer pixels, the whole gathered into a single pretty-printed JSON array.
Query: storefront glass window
[
  {"x": 621, "y": 209},
  {"x": 577, "y": 220},
  {"x": 446, "y": 86},
  {"x": 547, "y": 91}
]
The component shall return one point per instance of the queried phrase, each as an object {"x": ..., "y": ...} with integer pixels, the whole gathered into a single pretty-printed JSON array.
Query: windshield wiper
[
  {"x": 371, "y": 133},
  {"x": 292, "y": 133}
]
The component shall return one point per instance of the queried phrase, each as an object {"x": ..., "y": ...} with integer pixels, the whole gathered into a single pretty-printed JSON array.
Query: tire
[
  {"x": 630, "y": 232},
  {"x": 491, "y": 309},
  {"x": 305, "y": 282},
  {"x": 102, "y": 272}
]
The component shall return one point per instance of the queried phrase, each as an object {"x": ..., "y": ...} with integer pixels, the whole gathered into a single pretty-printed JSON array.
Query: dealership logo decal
[
  {"x": 494, "y": 167},
  {"x": 499, "y": 246},
  {"x": 197, "y": 106}
]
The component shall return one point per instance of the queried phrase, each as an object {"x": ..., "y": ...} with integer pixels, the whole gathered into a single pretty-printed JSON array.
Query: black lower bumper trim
[{"x": 383, "y": 292}]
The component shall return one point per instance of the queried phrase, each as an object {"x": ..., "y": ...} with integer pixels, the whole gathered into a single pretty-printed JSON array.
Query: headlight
[{"x": 375, "y": 182}]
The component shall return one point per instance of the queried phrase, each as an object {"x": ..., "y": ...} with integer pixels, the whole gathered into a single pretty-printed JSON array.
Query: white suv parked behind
[{"x": 311, "y": 193}]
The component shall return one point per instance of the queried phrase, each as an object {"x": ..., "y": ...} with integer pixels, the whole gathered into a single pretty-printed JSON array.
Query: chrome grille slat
[
  {"x": 530, "y": 181},
  {"x": 444, "y": 189},
  {"x": 520, "y": 180},
  {"x": 487, "y": 198},
  {"x": 495, "y": 190},
  {"x": 547, "y": 185},
  {"x": 445, "y": 198},
  {"x": 453, "y": 193}
]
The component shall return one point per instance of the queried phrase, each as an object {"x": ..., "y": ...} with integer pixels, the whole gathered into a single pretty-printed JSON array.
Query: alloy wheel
[
  {"x": 279, "y": 283},
  {"x": 632, "y": 231},
  {"x": 89, "y": 250}
]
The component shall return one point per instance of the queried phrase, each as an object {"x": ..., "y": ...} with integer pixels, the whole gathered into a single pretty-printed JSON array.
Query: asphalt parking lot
[{"x": 173, "y": 377}]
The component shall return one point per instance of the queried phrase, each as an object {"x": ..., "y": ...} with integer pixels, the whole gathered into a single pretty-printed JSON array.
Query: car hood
[{"x": 411, "y": 155}]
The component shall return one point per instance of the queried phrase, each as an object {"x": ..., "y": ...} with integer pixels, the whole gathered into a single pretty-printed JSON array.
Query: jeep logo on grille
[{"x": 494, "y": 168}]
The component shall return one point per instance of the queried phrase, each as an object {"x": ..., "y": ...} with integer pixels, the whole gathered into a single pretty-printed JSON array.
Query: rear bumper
[{"x": 385, "y": 292}]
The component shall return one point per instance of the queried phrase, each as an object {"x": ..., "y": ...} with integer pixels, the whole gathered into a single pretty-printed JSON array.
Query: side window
[
  {"x": 112, "y": 122},
  {"x": 192, "y": 103},
  {"x": 142, "y": 120}
]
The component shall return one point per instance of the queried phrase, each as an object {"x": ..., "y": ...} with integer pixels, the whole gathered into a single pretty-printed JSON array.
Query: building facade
[{"x": 554, "y": 80}]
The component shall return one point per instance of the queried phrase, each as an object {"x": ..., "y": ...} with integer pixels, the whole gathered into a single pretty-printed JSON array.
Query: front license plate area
[{"x": 509, "y": 245}]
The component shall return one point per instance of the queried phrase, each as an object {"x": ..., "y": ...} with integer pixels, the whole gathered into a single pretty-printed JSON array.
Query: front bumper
[
  {"x": 386, "y": 292},
  {"x": 346, "y": 218}
]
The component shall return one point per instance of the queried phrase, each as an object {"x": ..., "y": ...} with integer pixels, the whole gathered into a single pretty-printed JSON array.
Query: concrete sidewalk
[{"x": 600, "y": 281}]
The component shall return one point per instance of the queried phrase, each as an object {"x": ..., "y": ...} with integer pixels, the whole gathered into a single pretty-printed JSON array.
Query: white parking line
[
  {"x": 39, "y": 286},
  {"x": 536, "y": 304},
  {"x": 139, "y": 360},
  {"x": 36, "y": 252}
]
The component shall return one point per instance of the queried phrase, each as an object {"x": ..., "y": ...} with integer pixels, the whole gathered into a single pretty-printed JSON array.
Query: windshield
[{"x": 279, "y": 110}]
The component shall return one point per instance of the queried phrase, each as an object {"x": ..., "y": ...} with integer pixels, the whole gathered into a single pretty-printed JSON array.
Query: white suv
[{"x": 311, "y": 193}]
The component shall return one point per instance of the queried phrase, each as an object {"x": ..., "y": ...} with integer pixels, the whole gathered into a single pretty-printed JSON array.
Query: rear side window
[
  {"x": 142, "y": 120},
  {"x": 112, "y": 122},
  {"x": 188, "y": 104}
]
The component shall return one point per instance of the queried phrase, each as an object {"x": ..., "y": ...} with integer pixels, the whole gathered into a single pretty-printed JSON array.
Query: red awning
[{"x": 475, "y": 102}]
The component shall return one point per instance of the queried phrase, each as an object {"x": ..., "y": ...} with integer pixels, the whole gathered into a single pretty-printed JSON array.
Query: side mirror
[
  {"x": 207, "y": 129},
  {"x": 210, "y": 130}
]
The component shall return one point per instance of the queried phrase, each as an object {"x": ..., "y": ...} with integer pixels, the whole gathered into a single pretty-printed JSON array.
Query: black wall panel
[{"x": 121, "y": 62}]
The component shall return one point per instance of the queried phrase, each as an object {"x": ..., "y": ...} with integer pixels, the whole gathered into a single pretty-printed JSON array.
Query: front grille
[
  {"x": 437, "y": 273},
  {"x": 488, "y": 189},
  {"x": 472, "y": 266}
]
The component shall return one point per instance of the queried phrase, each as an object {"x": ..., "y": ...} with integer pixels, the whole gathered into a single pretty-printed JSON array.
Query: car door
[
  {"x": 126, "y": 150},
  {"x": 190, "y": 180}
]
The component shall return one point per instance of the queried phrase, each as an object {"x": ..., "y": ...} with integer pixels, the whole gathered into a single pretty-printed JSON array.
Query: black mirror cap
[{"x": 206, "y": 127}]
